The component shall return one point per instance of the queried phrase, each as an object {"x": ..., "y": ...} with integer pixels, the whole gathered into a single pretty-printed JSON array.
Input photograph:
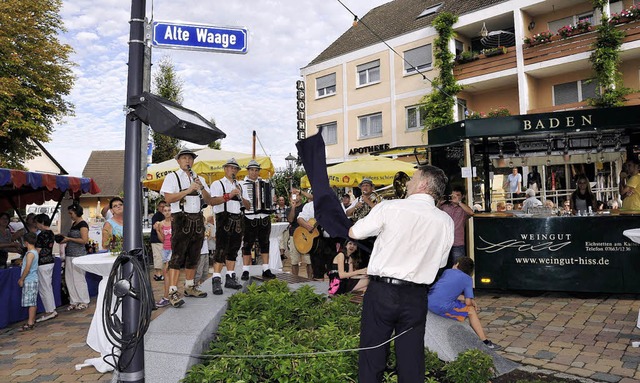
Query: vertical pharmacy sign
[{"x": 176, "y": 35}]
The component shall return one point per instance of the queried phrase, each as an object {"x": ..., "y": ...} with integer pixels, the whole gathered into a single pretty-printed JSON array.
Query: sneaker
[
  {"x": 268, "y": 274},
  {"x": 175, "y": 299},
  {"x": 194, "y": 292},
  {"x": 217, "y": 285},
  {"x": 162, "y": 303},
  {"x": 158, "y": 278},
  {"x": 491, "y": 345},
  {"x": 245, "y": 276},
  {"x": 231, "y": 282},
  {"x": 46, "y": 317}
]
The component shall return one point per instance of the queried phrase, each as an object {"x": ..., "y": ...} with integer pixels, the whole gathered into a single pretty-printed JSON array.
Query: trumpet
[
  {"x": 203, "y": 204},
  {"x": 398, "y": 189}
]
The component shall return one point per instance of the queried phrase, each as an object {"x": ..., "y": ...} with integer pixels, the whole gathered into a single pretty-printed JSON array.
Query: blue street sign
[{"x": 199, "y": 37}]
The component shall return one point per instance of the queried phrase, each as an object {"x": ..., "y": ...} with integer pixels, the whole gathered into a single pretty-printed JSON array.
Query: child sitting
[
  {"x": 443, "y": 297},
  {"x": 29, "y": 280}
]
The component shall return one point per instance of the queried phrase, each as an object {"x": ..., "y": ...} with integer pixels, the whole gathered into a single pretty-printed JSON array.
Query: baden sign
[{"x": 199, "y": 37}]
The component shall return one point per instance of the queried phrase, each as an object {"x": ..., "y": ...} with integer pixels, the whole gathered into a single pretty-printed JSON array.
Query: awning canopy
[
  {"x": 556, "y": 123},
  {"x": 19, "y": 188}
]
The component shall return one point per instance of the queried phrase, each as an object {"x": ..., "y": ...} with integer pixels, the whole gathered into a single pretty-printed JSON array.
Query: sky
[{"x": 242, "y": 93}]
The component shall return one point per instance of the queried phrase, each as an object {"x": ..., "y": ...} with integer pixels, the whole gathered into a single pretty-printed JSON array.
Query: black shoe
[
  {"x": 268, "y": 274},
  {"x": 230, "y": 282},
  {"x": 217, "y": 285},
  {"x": 491, "y": 345},
  {"x": 245, "y": 276},
  {"x": 158, "y": 278}
]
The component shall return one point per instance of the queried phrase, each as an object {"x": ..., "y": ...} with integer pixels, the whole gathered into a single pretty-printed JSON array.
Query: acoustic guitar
[{"x": 303, "y": 239}]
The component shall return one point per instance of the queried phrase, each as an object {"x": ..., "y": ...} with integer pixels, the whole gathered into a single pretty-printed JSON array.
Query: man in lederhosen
[
  {"x": 358, "y": 210},
  {"x": 184, "y": 190},
  {"x": 257, "y": 226},
  {"x": 227, "y": 202}
]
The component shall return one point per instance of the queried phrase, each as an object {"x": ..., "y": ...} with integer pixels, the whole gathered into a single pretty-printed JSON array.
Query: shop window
[
  {"x": 329, "y": 133},
  {"x": 326, "y": 85},
  {"x": 574, "y": 91},
  {"x": 368, "y": 73},
  {"x": 417, "y": 59},
  {"x": 370, "y": 125},
  {"x": 414, "y": 118}
]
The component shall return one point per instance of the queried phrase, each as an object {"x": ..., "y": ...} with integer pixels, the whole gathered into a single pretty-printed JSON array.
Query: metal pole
[{"x": 134, "y": 371}]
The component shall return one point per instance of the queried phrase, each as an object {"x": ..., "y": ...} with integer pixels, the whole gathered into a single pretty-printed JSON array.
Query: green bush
[{"x": 471, "y": 366}]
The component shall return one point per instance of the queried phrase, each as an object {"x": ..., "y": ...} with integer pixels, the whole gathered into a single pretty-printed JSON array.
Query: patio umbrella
[
  {"x": 208, "y": 164},
  {"x": 498, "y": 38},
  {"x": 380, "y": 170}
]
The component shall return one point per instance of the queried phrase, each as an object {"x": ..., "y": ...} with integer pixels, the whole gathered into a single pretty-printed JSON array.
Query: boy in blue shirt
[
  {"x": 29, "y": 280},
  {"x": 443, "y": 297}
]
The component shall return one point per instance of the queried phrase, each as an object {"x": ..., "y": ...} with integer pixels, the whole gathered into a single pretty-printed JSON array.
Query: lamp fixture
[
  {"x": 532, "y": 25},
  {"x": 355, "y": 21},
  {"x": 484, "y": 32}
]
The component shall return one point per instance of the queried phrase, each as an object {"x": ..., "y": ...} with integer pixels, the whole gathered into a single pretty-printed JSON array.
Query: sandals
[
  {"x": 71, "y": 307},
  {"x": 28, "y": 327},
  {"x": 81, "y": 306}
]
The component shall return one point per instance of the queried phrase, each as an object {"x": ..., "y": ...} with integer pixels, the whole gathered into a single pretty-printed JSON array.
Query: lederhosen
[
  {"x": 228, "y": 234},
  {"x": 187, "y": 234},
  {"x": 256, "y": 229}
]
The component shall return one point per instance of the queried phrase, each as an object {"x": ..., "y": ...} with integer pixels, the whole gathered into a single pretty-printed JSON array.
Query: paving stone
[
  {"x": 606, "y": 377},
  {"x": 8, "y": 351},
  {"x": 25, "y": 356},
  {"x": 24, "y": 372},
  {"x": 545, "y": 355}
]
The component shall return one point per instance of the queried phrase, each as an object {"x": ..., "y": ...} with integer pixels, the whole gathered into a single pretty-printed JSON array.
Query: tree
[
  {"x": 35, "y": 76},
  {"x": 217, "y": 144},
  {"x": 168, "y": 85}
]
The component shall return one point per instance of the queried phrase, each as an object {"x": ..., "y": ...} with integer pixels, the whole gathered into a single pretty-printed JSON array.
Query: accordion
[{"x": 260, "y": 195}]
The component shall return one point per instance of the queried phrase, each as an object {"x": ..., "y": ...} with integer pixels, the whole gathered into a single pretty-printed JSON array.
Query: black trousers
[{"x": 389, "y": 309}]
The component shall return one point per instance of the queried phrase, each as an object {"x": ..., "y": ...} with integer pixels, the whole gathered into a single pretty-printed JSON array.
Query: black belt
[
  {"x": 394, "y": 281},
  {"x": 185, "y": 213}
]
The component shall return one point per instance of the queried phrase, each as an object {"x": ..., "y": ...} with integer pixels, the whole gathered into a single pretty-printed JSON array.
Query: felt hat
[
  {"x": 231, "y": 162},
  {"x": 253, "y": 164},
  {"x": 186, "y": 151},
  {"x": 366, "y": 181}
]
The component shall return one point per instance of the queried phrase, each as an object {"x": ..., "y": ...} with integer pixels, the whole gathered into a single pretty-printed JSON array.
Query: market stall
[{"x": 543, "y": 251}]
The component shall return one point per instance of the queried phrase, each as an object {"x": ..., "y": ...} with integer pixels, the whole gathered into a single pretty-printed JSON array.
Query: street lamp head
[{"x": 290, "y": 161}]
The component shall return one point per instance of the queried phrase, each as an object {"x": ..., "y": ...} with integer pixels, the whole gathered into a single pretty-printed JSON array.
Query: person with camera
[
  {"x": 75, "y": 241},
  {"x": 460, "y": 213}
]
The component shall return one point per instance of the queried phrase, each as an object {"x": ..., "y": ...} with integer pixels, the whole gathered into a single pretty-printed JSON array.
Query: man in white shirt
[
  {"x": 227, "y": 202},
  {"x": 257, "y": 225},
  {"x": 185, "y": 192},
  {"x": 413, "y": 243}
]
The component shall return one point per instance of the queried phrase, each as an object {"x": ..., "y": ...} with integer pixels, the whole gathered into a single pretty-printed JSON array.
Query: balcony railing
[
  {"x": 580, "y": 43},
  {"x": 484, "y": 65}
]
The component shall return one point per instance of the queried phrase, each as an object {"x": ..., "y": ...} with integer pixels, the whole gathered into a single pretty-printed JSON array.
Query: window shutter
[
  {"x": 326, "y": 81},
  {"x": 369, "y": 65},
  {"x": 565, "y": 93},
  {"x": 418, "y": 57}
]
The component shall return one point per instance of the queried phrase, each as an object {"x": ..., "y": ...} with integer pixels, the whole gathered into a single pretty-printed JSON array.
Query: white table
[
  {"x": 277, "y": 229},
  {"x": 634, "y": 235},
  {"x": 100, "y": 264}
]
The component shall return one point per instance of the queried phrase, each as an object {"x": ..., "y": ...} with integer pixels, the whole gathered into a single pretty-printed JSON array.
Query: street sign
[{"x": 199, "y": 37}]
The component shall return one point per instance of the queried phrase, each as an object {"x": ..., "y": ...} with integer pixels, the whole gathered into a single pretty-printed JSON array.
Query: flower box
[{"x": 494, "y": 51}]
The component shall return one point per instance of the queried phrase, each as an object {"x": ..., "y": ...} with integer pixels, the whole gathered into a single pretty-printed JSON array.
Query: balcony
[
  {"x": 632, "y": 99},
  {"x": 581, "y": 43},
  {"x": 485, "y": 65}
]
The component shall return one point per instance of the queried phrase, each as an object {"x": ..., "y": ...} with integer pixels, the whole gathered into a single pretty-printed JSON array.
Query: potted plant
[
  {"x": 572, "y": 30},
  {"x": 466, "y": 56},
  {"x": 500, "y": 112},
  {"x": 489, "y": 52},
  {"x": 538, "y": 38},
  {"x": 473, "y": 115},
  {"x": 630, "y": 14}
]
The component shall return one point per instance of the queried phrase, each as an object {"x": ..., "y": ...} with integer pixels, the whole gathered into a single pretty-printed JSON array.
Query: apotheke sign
[{"x": 301, "y": 106}]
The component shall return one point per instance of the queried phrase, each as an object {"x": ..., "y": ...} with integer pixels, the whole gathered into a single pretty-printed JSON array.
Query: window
[
  {"x": 574, "y": 91},
  {"x": 414, "y": 118},
  {"x": 368, "y": 73},
  {"x": 459, "y": 47},
  {"x": 370, "y": 125},
  {"x": 430, "y": 11},
  {"x": 418, "y": 58},
  {"x": 329, "y": 133},
  {"x": 557, "y": 24},
  {"x": 588, "y": 17},
  {"x": 326, "y": 85}
]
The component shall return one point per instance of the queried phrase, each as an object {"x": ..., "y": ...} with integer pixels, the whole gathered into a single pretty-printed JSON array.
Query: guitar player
[
  {"x": 294, "y": 209},
  {"x": 322, "y": 255}
]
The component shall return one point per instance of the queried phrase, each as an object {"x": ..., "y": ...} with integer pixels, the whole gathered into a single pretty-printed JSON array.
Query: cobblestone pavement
[
  {"x": 587, "y": 336},
  {"x": 580, "y": 336}
]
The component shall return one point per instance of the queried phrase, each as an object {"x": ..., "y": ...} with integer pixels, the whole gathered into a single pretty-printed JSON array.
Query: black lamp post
[{"x": 290, "y": 160}]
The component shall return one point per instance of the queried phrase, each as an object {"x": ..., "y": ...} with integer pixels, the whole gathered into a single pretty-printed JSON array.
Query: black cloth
[
  {"x": 229, "y": 228},
  {"x": 44, "y": 242},
  {"x": 534, "y": 178},
  {"x": 157, "y": 217},
  {"x": 389, "y": 308},
  {"x": 328, "y": 211},
  {"x": 256, "y": 230},
  {"x": 187, "y": 234}
]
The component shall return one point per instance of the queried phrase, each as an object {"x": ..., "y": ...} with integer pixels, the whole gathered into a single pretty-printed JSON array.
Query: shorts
[
  {"x": 156, "y": 249},
  {"x": 30, "y": 294},
  {"x": 256, "y": 230},
  {"x": 459, "y": 311},
  {"x": 295, "y": 255},
  {"x": 166, "y": 255},
  {"x": 229, "y": 228},
  {"x": 187, "y": 234}
]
